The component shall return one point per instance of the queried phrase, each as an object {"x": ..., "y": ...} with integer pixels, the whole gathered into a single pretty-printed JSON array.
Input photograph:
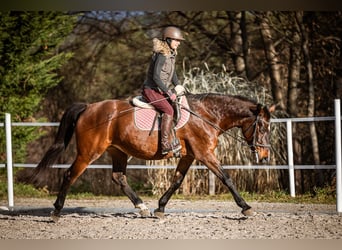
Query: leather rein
[{"x": 238, "y": 138}]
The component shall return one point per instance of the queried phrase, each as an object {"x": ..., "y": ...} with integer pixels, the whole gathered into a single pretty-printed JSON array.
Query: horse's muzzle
[{"x": 262, "y": 155}]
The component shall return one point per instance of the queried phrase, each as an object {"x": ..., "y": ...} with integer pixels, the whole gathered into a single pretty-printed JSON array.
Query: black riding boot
[{"x": 167, "y": 122}]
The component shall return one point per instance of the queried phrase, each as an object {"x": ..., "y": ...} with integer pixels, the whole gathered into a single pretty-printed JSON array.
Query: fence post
[
  {"x": 211, "y": 183},
  {"x": 338, "y": 156},
  {"x": 290, "y": 158},
  {"x": 9, "y": 160}
]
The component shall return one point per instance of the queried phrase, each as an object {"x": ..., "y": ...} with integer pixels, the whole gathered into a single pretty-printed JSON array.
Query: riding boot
[
  {"x": 166, "y": 126},
  {"x": 165, "y": 130}
]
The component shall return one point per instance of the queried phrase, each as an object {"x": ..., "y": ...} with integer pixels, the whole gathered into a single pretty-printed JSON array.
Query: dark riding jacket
[{"x": 161, "y": 74}]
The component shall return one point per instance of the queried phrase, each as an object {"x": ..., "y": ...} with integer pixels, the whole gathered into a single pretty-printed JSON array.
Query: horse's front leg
[
  {"x": 214, "y": 165},
  {"x": 181, "y": 170}
]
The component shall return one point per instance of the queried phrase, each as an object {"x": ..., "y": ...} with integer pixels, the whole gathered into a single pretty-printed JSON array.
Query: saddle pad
[{"x": 143, "y": 118}]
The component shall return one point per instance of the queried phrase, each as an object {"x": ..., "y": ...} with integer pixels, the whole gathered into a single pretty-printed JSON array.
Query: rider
[{"x": 161, "y": 75}]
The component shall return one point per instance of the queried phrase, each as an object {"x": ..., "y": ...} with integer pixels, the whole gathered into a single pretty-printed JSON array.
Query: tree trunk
[
  {"x": 292, "y": 106},
  {"x": 311, "y": 93},
  {"x": 338, "y": 82},
  {"x": 272, "y": 59},
  {"x": 236, "y": 42},
  {"x": 245, "y": 44}
]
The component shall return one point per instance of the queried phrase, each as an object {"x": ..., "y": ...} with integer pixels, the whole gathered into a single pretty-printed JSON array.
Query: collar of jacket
[{"x": 160, "y": 46}]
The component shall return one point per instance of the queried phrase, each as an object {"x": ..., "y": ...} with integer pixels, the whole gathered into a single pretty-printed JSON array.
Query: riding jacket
[{"x": 161, "y": 74}]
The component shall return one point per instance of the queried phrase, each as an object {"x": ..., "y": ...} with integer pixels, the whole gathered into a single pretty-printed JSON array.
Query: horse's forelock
[{"x": 266, "y": 112}]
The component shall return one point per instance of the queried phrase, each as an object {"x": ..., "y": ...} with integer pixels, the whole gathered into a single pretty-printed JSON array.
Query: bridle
[
  {"x": 256, "y": 124},
  {"x": 254, "y": 143}
]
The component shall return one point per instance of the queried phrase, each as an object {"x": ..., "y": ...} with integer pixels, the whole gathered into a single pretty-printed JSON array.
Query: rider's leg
[
  {"x": 161, "y": 103},
  {"x": 165, "y": 130}
]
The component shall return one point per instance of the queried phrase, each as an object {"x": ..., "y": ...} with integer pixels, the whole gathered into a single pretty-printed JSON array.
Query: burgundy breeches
[{"x": 158, "y": 100}]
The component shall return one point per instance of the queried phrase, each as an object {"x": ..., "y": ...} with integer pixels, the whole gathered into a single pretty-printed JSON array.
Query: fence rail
[
  {"x": 245, "y": 167},
  {"x": 290, "y": 166}
]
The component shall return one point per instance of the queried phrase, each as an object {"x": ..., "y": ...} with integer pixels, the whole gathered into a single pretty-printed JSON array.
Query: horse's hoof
[
  {"x": 143, "y": 210},
  {"x": 159, "y": 214},
  {"x": 145, "y": 213},
  {"x": 248, "y": 212},
  {"x": 55, "y": 216}
]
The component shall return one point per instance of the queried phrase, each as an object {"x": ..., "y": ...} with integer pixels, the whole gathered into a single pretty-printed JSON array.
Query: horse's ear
[
  {"x": 256, "y": 109},
  {"x": 259, "y": 107},
  {"x": 272, "y": 108}
]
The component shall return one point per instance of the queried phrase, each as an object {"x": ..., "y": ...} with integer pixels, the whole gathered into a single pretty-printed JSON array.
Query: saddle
[{"x": 146, "y": 116}]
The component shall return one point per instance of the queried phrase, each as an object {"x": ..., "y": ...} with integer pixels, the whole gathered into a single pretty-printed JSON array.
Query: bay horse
[{"x": 108, "y": 126}]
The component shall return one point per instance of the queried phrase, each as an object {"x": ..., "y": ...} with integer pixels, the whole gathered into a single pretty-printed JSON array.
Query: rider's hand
[{"x": 172, "y": 95}]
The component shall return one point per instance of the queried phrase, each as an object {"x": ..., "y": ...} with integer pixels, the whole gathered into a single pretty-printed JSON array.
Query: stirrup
[
  {"x": 176, "y": 147},
  {"x": 166, "y": 151}
]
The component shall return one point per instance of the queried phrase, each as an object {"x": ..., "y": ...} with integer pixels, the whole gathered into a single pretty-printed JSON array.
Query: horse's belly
[{"x": 139, "y": 144}]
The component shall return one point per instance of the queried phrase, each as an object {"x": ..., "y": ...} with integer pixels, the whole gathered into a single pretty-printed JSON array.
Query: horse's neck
[
  {"x": 225, "y": 112},
  {"x": 233, "y": 120}
]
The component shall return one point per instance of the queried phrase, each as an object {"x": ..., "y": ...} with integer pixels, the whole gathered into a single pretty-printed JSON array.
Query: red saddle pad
[{"x": 143, "y": 118}]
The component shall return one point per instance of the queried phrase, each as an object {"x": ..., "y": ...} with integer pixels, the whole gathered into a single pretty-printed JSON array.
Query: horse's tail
[{"x": 63, "y": 137}]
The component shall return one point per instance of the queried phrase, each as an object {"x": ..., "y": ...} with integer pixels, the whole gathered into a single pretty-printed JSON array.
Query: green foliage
[
  {"x": 21, "y": 190},
  {"x": 29, "y": 65}
]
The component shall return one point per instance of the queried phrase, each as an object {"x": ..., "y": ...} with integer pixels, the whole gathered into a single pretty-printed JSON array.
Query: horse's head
[{"x": 257, "y": 133}]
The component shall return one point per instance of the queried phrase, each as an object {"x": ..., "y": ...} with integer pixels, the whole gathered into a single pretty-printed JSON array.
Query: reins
[{"x": 238, "y": 138}]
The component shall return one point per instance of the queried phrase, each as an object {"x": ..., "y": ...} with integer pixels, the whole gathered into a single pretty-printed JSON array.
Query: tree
[
  {"x": 273, "y": 61},
  {"x": 29, "y": 64},
  {"x": 237, "y": 41}
]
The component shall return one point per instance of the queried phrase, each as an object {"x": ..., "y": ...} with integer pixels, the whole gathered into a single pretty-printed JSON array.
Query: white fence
[{"x": 290, "y": 166}]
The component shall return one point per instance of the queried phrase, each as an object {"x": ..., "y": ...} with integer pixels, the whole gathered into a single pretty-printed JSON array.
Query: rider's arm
[{"x": 175, "y": 78}]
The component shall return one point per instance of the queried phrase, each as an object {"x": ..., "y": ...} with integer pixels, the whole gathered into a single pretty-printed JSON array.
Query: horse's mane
[
  {"x": 203, "y": 96},
  {"x": 225, "y": 103}
]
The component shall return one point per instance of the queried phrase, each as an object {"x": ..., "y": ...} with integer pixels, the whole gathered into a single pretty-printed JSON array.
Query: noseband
[{"x": 254, "y": 143}]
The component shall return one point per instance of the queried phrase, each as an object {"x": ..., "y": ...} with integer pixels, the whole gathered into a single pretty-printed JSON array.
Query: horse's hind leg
[
  {"x": 70, "y": 176},
  {"x": 119, "y": 177}
]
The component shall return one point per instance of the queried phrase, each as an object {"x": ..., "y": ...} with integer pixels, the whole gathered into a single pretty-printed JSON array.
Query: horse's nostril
[{"x": 264, "y": 160}]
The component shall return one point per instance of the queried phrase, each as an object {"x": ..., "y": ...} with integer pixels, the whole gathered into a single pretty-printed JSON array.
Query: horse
[{"x": 108, "y": 126}]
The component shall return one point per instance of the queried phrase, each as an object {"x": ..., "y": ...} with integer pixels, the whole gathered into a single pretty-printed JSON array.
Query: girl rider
[{"x": 161, "y": 75}]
